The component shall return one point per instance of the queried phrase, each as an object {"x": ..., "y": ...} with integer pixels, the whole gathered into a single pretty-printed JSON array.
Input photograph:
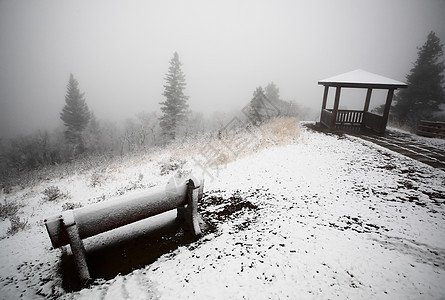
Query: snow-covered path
[
  {"x": 326, "y": 218},
  {"x": 337, "y": 218}
]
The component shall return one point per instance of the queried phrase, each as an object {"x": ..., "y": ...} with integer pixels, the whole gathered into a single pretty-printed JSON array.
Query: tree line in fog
[{"x": 83, "y": 135}]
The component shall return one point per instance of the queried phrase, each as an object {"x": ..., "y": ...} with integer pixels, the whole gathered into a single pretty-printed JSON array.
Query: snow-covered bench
[{"x": 70, "y": 227}]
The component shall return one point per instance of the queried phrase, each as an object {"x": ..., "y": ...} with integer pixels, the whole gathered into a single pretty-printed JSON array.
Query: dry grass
[
  {"x": 53, "y": 193},
  {"x": 400, "y": 126},
  {"x": 8, "y": 209},
  {"x": 229, "y": 146},
  {"x": 17, "y": 225},
  {"x": 281, "y": 131},
  {"x": 209, "y": 150}
]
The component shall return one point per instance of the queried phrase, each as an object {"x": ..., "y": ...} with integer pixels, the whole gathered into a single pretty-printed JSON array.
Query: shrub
[
  {"x": 16, "y": 225},
  {"x": 53, "y": 193},
  {"x": 71, "y": 205},
  {"x": 8, "y": 209},
  {"x": 96, "y": 179},
  {"x": 171, "y": 165},
  {"x": 183, "y": 173}
]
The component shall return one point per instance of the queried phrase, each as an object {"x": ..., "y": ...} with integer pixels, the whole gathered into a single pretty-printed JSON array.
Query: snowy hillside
[{"x": 316, "y": 217}]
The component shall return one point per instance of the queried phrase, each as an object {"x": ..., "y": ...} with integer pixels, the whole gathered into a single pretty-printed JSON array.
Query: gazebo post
[
  {"x": 325, "y": 100},
  {"x": 325, "y": 97},
  {"x": 368, "y": 100},
  {"x": 386, "y": 111},
  {"x": 336, "y": 103}
]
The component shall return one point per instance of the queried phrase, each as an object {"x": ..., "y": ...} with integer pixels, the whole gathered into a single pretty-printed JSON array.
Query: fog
[{"x": 119, "y": 51}]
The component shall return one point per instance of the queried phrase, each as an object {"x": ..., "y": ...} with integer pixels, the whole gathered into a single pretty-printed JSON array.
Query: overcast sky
[{"x": 119, "y": 51}]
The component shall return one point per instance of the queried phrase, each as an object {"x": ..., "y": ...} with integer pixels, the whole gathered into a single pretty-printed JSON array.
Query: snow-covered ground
[{"x": 326, "y": 217}]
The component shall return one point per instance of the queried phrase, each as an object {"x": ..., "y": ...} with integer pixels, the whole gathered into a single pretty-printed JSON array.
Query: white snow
[
  {"x": 362, "y": 77},
  {"x": 338, "y": 218}
]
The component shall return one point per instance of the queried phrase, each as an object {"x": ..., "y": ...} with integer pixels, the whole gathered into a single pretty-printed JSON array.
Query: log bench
[{"x": 70, "y": 227}]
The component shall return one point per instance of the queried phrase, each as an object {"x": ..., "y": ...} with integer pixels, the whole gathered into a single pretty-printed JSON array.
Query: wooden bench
[
  {"x": 71, "y": 226},
  {"x": 431, "y": 129}
]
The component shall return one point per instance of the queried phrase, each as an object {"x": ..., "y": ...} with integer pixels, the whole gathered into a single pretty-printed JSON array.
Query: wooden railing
[
  {"x": 431, "y": 129},
  {"x": 373, "y": 121},
  {"x": 344, "y": 117},
  {"x": 352, "y": 118},
  {"x": 326, "y": 117},
  {"x": 349, "y": 117}
]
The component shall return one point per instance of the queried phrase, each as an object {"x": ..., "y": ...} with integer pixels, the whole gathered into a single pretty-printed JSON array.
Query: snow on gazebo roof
[{"x": 362, "y": 79}]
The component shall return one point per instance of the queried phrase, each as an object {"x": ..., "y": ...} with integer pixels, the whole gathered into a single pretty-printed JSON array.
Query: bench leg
[
  {"x": 189, "y": 213},
  {"x": 77, "y": 247}
]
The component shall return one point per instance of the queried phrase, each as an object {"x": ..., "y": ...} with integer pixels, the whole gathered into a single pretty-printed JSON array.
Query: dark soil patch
[
  {"x": 123, "y": 255},
  {"x": 216, "y": 209},
  {"x": 356, "y": 224}
]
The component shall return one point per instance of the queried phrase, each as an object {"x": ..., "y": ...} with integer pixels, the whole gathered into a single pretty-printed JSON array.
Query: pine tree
[
  {"x": 75, "y": 115},
  {"x": 92, "y": 136},
  {"x": 283, "y": 108},
  {"x": 425, "y": 92},
  {"x": 257, "y": 109},
  {"x": 272, "y": 92},
  {"x": 261, "y": 108},
  {"x": 175, "y": 107}
]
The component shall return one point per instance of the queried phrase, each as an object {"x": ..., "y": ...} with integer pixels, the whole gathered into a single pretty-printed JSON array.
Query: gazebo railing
[
  {"x": 352, "y": 118},
  {"x": 344, "y": 117},
  {"x": 326, "y": 117},
  {"x": 373, "y": 121}
]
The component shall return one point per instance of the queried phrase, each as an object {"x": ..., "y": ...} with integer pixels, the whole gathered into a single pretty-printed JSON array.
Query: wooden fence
[{"x": 431, "y": 129}]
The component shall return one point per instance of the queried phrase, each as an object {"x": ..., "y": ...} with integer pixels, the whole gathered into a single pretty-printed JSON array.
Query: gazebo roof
[{"x": 362, "y": 79}]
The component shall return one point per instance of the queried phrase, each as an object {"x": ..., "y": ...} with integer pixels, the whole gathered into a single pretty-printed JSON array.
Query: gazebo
[{"x": 336, "y": 118}]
